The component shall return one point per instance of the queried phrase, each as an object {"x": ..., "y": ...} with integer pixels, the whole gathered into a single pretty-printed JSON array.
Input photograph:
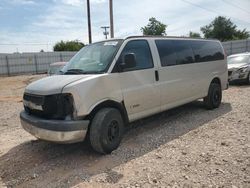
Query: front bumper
[{"x": 60, "y": 131}]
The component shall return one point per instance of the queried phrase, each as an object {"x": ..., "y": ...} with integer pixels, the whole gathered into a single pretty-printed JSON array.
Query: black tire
[
  {"x": 213, "y": 99},
  {"x": 106, "y": 130}
]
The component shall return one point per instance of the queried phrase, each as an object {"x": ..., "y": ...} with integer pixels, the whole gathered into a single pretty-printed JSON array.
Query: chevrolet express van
[{"x": 109, "y": 84}]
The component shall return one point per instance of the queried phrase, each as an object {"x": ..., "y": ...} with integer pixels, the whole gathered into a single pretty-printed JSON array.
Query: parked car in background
[
  {"x": 239, "y": 67},
  {"x": 54, "y": 68},
  {"x": 111, "y": 83}
]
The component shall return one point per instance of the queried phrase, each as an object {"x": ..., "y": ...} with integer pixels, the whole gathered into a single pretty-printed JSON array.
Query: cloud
[
  {"x": 67, "y": 19},
  {"x": 78, "y": 2},
  {"x": 70, "y": 22},
  {"x": 23, "y": 2},
  {"x": 98, "y": 1},
  {"x": 72, "y": 2}
]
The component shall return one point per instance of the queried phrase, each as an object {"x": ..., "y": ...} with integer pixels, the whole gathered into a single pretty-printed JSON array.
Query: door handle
[{"x": 156, "y": 75}]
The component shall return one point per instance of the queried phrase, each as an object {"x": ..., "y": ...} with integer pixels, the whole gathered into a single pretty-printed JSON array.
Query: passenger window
[
  {"x": 167, "y": 52},
  {"x": 174, "y": 52},
  {"x": 207, "y": 51},
  {"x": 142, "y": 54},
  {"x": 184, "y": 52}
]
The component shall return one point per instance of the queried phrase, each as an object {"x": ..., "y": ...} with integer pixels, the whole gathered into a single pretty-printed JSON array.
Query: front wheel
[
  {"x": 213, "y": 99},
  {"x": 106, "y": 130}
]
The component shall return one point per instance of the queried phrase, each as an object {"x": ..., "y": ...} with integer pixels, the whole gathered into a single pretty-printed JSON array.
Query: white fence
[
  {"x": 13, "y": 64},
  {"x": 236, "y": 46},
  {"x": 34, "y": 63}
]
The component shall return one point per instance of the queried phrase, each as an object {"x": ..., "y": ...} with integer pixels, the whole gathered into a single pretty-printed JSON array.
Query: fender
[{"x": 105, "y": 103}]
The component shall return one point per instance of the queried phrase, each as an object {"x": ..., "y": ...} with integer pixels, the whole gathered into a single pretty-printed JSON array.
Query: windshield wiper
[
  {"x": 80, "y": 71},
  {"x": 61, "y": 72},
  {"x": 75, "y": 71}
]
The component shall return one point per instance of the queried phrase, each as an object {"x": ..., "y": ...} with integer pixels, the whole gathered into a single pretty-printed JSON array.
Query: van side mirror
[{"x": 128, "y": 61}]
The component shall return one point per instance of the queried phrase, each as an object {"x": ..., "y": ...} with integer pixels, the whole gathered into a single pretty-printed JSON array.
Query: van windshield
[{"x": 93, "y": 59}]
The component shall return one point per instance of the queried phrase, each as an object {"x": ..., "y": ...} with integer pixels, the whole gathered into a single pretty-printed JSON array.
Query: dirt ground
[{"x": 184, "y": 147}]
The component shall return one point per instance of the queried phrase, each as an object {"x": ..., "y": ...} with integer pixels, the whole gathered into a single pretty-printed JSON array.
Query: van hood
[
  {"x": 236, "y": 65},
  {"x": 53, "y": 84}
]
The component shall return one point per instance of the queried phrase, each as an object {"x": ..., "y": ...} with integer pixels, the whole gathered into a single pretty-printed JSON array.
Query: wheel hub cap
[{"x": 113, "y": 131}]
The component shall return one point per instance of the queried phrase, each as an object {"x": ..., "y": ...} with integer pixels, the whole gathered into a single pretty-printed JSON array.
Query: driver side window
[{"x": 142, "y": 53}]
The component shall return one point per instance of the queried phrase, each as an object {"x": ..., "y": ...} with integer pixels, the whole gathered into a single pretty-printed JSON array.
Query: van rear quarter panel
[
  {"x": 89, "y": 93},
  {"x": 184, "y": 83},
  {"x": 207, "y": 71}
]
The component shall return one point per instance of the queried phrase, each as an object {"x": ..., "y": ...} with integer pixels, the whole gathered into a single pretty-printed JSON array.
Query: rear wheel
[
  {"x": 213, "y": 99},
  {"x": 106, "y": 130}
]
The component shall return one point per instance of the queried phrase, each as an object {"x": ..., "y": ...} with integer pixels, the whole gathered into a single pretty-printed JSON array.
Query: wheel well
[
  {"x": 110, "y": 104},
  {"x": 216, "y": 80}
]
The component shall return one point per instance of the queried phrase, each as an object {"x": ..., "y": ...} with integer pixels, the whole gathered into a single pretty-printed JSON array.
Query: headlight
[{"x": 242, "y": 70}]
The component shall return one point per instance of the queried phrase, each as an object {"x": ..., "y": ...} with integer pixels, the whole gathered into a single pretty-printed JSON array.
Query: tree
[
  {"x": 154, "y": 27},
  {"x": 68, "y": 46},
  {"x": 224, "y": 29},
  {"x": 194, "y": 35}
]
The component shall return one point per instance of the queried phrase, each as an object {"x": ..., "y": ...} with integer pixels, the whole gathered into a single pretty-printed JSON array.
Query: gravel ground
[{"x": 184, "y": 147}]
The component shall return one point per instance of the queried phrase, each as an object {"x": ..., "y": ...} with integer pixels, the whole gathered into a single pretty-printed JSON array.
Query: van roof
[
  {"x": 158, "y": 37},
  {"x": 168, "y": 37}
]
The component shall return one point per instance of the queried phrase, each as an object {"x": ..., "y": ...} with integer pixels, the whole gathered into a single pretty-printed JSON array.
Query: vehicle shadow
[
  {"x": 42, "y": 164},
  {"x": 239, "y": 84}
]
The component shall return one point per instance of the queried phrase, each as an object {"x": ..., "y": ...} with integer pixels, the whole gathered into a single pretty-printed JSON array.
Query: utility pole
[
  {"x": 105, "y": 31},
  {"x": 89, "y": 22},
  {"x": 111, "y": 18}
]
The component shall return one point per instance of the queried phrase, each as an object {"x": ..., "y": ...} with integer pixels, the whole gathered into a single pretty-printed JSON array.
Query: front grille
[
  {"x": 36, "y": 99},
  {"x": 56, "y": 106}
]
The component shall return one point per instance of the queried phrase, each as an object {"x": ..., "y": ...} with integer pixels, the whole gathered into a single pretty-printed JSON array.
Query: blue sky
[{"x": 32, "y": 25}]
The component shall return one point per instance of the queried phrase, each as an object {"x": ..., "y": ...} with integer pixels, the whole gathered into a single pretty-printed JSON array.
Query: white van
[{"x": 109, "y": 84}]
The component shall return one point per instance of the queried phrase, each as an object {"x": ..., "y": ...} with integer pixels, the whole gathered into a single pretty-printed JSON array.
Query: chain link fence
[{"x": 35, "y": 63}]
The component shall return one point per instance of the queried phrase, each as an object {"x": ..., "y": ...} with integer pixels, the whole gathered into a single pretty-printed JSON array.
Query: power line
[
  {"x": 209, "y": 10},
  {"x": 234, "y": 5},
  {"x": 200, "y": 6}
]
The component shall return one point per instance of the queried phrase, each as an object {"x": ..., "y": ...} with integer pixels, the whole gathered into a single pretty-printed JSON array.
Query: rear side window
[
  {"x": 177, "y": 52},
  {"x": 207, "y": 51},
  {"x": 174, "y": 52},
  {"x": 142, "y": 54},
  {"x": 184, "y": 52}
]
